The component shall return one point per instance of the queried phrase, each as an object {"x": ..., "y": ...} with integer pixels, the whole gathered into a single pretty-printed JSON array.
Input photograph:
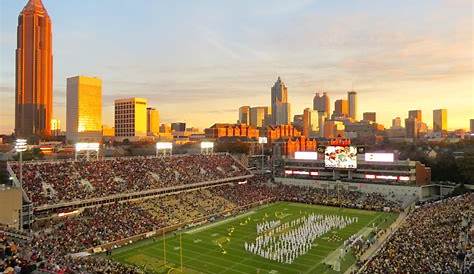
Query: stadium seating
[
  {"x": 437, "y": 225},
  {"x": 434, "y": 239},
  {"x": 66, "y": 181}
]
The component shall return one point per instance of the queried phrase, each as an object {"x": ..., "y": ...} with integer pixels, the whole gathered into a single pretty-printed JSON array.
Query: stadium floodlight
[
  {"x": 86, "y": 149},
  {"x": 164, "y": 148},
  {"x": 164, "y": 145},
  {"x": 262, "y": 141},
  {"x": 20, "y": 145},
  {"x": 87, "y": 146},
  {"x": 207, "y": 147}
]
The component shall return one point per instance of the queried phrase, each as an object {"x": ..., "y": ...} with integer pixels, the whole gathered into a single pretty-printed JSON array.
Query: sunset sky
[{"x": 198, "y": 61}]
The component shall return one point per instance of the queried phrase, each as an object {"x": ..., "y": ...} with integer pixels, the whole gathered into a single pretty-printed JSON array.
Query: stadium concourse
[{"x": 435, "y": 238}]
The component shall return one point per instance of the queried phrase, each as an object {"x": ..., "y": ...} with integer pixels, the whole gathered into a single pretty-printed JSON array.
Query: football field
[{"x": 219, "y": 247}]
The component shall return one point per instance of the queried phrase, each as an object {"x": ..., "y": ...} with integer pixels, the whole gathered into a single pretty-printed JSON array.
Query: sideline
[{"x": 213, "y": 224}]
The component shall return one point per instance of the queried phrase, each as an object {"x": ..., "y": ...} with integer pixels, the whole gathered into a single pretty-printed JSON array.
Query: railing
[
  {"x": 135, "y": 195},
  {"x": 123, "y": 196}
]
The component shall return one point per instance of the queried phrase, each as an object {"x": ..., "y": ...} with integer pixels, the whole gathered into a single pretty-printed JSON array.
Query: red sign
[{"x": 340, "y": 142}]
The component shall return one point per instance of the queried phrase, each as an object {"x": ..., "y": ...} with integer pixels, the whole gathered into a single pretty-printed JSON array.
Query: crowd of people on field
[
  {"x": 436, "y": 238},
  {"x": 65, "y": 181}
]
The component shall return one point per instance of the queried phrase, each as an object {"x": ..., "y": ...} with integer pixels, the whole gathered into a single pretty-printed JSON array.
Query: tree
[{"x": 466, "y": 168}]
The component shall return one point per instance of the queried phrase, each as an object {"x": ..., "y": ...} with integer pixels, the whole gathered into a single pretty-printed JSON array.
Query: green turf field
[{"x": 219, "y": 247}]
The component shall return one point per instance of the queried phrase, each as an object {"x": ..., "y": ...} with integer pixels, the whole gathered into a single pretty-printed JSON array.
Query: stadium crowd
[
  {"x": 75, "y": 180},
  {"x": 436, "y": 238}
]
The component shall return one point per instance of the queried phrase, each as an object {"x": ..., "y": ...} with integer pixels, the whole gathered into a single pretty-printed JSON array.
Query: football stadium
[{"x": 337, "y": 210}]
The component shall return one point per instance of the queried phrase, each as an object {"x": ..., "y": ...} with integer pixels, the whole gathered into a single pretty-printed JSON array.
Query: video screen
[{"x": 340, "y": 157}]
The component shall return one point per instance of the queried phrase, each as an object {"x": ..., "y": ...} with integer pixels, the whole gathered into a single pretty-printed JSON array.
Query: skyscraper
[
  {"x": 298, "y": 122},
  {"x": 130, "y": 118},
  {"x": 83, "y": 109},
  {"x": 257, "y": 116},
  {"x": 34, "y": 71},
  {"x": 369, "y": 116},
  {"x": 440, "y": 120},
  {"x": 322, "y": 103},
  {"x": 415, "y": 114},
  {"x": 471, "y": 125},
  {"x": 414, "y": 124},
  {"x": 152, "y": 121},
  {"x": 322, "y": 115},
  {"x": 178, "y": 127},
  {"x": 352, "y": 98},
  {"x": 310, "y": 122},
  {"x": 411, "y": 125},
  {"x": 281, "y": 112},
  {"x": 341, "y": 108},
  {"x": 396, "y": 122},
  {"x": 244, "y": 115}
]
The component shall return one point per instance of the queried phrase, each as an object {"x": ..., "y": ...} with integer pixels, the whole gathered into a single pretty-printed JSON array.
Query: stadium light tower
[
  {"x": 164, "y": 148},
  {"x": 87, "y": 150},
  {"x": 262, "y": 141},
  {"x": 207, "y": 147},
  {"x": 20, "y": 147}
]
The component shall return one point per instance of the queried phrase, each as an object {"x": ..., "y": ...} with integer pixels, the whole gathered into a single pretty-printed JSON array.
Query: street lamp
[
  {"x": 262, "y": 141},
  {"x": 21, "y": 146}
]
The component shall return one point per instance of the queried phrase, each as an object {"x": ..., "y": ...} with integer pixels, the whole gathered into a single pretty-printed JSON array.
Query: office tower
[
  {"x": 281, "y": 111},
  {"x": 440, "y": 120},
  {"x": 257, "y": 116},
  {"x": 369, "y": 116},
  {"x": 310, "y": 122},
  {"x": 341, "y": 108},
  {"x": 130, "y": 117},
  {"x": 333, "y": 129},
  {"x": 471, "y": 126},
  {"x": 178, "y": 127},
  {"x": 322, "y": 116},
  {"x": 83, "y": 109},
  {"x": 396, "y": 122},
  {"x": 244, "y": 115},
  {"x": 108, "y": 131},
  {"x": 415, "y": 128},
  {"x": 415, "y": 114},
  {"x": 34, "y": 72},
  {"x": 322, "y": 103},
  {"x": 352, "y": 98},
  {"x": 298, "y": 122},
  {"x": 153, "y": 121},
  {"x": 165, "y": 128},
  {"x": 410, "y": 127},
  {"x": 414, "y": 125}
]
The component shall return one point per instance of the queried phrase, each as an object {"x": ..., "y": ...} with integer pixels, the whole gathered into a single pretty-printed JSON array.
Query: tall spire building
[
  {"x": 34, "y": 72},
  {"x": 281, "y": 111}
]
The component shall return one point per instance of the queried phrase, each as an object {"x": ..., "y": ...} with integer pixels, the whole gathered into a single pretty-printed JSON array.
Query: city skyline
[{"x": 241, "y": 72}]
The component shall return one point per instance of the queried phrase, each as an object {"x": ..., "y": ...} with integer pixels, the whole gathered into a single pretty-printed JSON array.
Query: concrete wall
[{"x": 397, "y": 192}]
